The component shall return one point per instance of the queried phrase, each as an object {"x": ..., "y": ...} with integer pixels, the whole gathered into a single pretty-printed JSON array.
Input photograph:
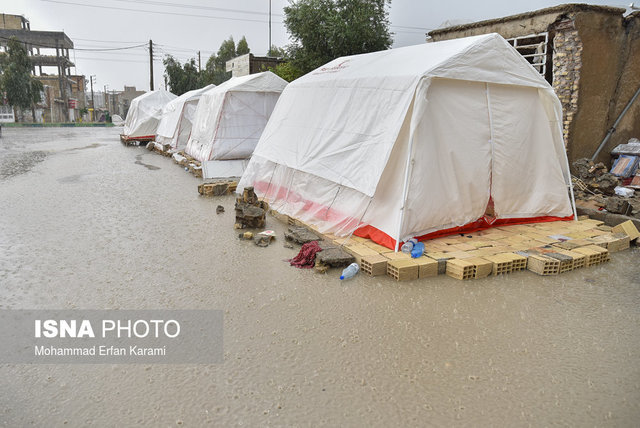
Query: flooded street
[{"x": 86, "y": 223}]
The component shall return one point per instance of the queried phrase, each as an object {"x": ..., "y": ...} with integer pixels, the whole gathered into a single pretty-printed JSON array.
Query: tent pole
[
  {"x": 404, "y": 190},
  {"x": 573, "y": 198}
]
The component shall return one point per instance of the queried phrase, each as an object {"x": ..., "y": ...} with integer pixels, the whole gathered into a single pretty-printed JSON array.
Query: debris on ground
[
  {"x": 219, "y": 209},
  {"x": 321, "y": 267},
  {"x": 217, "y": 188},
  {"x": 250, "y": 212},
  {"x": 246, "y": 236},
  {"x": 306, "y": 258},
  {"x": 263, "y": 239},
  {"x": 334, "y": 256},
  {"x": 618, "y": 205},
  {"x": 300, "y": 235},
  {"x": 597, "y": 188}
]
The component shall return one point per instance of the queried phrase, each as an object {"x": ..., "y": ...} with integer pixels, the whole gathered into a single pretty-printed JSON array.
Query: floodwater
[{"x": 87, "y": 223}]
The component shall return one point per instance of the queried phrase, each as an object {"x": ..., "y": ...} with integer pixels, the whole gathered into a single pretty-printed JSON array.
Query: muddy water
[{"x": 87, "y": 223}]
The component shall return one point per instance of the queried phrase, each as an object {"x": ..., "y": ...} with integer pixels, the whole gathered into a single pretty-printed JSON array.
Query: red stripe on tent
[
  {"x": 144, "y": 137},
  {"x": 379, "y": 237}
]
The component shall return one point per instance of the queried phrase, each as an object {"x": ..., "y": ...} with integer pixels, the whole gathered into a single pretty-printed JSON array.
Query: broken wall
[{"x": 609, "y": 78}]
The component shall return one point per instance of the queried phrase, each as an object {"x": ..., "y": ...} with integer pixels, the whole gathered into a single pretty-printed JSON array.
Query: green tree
[
  {"x": 243, "y": 47},
  {"x": 322, "y": 30},
  {"x": 226, "y": 52},
  {"x": 277, "y": 52},
  {"x": 216, "y": 69},
  {"x": 181, "y": 78},
  {"x": 287, "y": 71},
  {"x": 21, "y": 88}
]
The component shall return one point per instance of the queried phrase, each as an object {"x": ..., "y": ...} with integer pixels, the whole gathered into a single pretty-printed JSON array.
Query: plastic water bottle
[
  {"x": 418, "y": 250},
  {"x": 350, "y": 271},
  {"x": 408, "y": 246}
]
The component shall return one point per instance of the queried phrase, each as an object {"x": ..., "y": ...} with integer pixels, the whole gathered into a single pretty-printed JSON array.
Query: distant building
[
  {"x": 244, "y": 65},
  {"x": 589, "y": 54},
  {"x": 48, "y": 50},
  {"x": 119, "y": 101}
]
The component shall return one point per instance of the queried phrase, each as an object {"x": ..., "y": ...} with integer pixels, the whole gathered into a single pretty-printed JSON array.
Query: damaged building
[
  {"x": 590, "y": 55},
  {"x": 63, "y": 93}
]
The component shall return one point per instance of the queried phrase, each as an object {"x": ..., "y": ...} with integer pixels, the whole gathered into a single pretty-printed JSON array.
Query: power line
[
  {"x": 105, "y": 41},
  {"x": 157, "y": 12},
  {"x": 40, "y": 45},
  {"x": 193, "y": 6}
]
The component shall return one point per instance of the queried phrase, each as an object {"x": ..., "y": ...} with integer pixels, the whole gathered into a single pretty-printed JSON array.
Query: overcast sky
[{"x": 184, "y": 28}]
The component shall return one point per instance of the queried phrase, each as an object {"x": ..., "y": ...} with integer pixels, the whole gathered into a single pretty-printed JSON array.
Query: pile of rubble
[{"x": 596, "y": 188}]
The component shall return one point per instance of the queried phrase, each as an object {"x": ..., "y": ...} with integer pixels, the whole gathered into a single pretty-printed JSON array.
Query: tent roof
[
  {"x": 172, "y": 110},
  {"x": 486, "y": 58},
  {"x": 159, "y": 95},
  {"x": 259, "y": 82},
  {"x": 145, "y": 112},
  {"x": 322, "y": 114}
]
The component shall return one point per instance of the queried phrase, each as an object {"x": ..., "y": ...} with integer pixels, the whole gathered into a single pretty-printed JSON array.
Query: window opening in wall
[{"x": 534, "y": 48}]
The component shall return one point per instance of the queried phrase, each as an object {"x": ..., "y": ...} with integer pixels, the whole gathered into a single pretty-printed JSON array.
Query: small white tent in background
[
  {"x": 117, "y": 120},
  {"x": 416, "y": 141},
  {"x": 231, "y": 117},
  {"x": 145, "y": 113},
  {"x": 177, "y": 118}
]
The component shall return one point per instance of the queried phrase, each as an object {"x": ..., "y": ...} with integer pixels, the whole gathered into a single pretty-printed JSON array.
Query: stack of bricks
[{"x": 548, "y": 248}]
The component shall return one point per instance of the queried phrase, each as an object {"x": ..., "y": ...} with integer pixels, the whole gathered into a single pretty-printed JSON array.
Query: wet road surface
[{"x": 90, "y": 224}]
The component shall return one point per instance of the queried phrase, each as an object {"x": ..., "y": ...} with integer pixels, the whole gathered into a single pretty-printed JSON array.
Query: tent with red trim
[
  {"x": 416, "y": 141},
  {"x": 145, "y": 113},
  {"x": 230, "y": 118}
]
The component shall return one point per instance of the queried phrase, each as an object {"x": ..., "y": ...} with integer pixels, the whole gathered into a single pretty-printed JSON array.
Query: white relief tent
[
  {"x": 416, "y": 141},
  {"x": 145, "y": 113},
  {"x": 177, "y": 118},
  {"x": 230, "y": 118}
]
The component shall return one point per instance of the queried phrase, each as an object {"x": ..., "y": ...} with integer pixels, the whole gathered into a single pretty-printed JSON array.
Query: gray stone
[
  {"x": 607, "y": 183},
  {"x": 582, "y": 168},
  {"x": 618, "y": 205},
  {"x": 616, "y": 219},
  {"x": 592, "y": 213},
  {"x": 261, "y": 240},
  {"x": 300, "y": 235},
  {"x": 334, "y": 257}
]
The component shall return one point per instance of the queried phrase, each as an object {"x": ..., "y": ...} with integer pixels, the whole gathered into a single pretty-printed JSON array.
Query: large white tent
[
  {"x": 231, "y": 117},
  {"x": 416, "y": 141},
  {"x": 145, "y": 113},
  {"x": 177, "y": 118}
]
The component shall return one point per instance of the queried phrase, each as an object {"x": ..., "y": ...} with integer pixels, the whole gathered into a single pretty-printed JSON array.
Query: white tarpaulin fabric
[
  {"x": 177, "y": 118},
  {"x": 145, "y": 113},
  {"x": 230, "y": 118},
  {"x": 415, "y": 140}
]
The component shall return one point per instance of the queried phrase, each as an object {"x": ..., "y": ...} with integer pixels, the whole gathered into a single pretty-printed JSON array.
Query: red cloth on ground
[{"x": 306, "y": 258}]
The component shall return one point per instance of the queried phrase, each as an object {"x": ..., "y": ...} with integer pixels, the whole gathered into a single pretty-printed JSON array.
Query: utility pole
[
  {"x": 199, "y": 67},
  {"x": 93, "y": 104},
  {"x": 106, "y": 104},
  {"x": 269, "y": 48},
  {"x": 151, "y": 64}
]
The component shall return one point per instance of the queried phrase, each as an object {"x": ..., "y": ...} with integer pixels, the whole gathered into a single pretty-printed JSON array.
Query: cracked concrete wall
[{"x": 609, "y": 77}]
